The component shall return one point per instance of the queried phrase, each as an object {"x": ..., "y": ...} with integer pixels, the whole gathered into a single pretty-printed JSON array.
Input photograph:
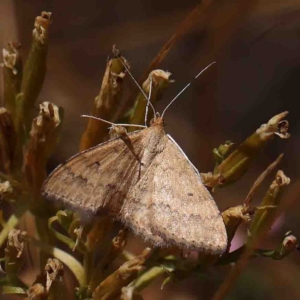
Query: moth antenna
[
  {"x": 111, "y": 123},
  {"x": 136, "y": 83},
  {"x": 148, "y": 101},
  {"x": 186, "y": 88}
]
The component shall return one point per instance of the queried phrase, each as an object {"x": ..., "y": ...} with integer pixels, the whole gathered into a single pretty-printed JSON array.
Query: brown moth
[{"x": 147, "y": 182}]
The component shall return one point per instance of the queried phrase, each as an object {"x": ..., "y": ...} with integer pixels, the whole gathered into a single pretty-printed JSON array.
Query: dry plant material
[
  {"x": 260, "y": 179},
  {"x": 234, "y": 166},
  {"x": 33, "y": 75},
  {"x": 45, "y": 283},
  {"x": 107, "y": 103},
  {"x": 100, "y": 270},
  {"x": 262, "y": 221},
  {"x": 234, "y": 216},
  {"x": 157, "y": 81},
  {"x": 12, "y": 76},
  {"x": 16, "y": 241},
  {"x": 13, "y": 255},
  {"x": 111, "y": 287},
  {"x": 287, "y": 246},
  {"x": 222, "y": 152},
  {"x": 265, "y": 216},
  {"x": 43, "y": 139},
  {"x": 6, "y": 190},
  {"x": 54, "y": 271}
]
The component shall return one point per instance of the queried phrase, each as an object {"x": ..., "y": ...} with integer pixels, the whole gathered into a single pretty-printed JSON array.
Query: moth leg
[
  {"x": 121, "y": 132},
  {"x": 117, "y": 131}
]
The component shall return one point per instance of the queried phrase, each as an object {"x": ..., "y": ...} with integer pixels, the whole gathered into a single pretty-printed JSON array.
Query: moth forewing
[
  {"x": 171, "y": 206},
  {"x": 183, "y": 153},
  {"x": 98, "y": 178}
]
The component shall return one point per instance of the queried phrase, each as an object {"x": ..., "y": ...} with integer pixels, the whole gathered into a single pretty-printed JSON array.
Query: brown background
[{"x": 257, "y": 48}]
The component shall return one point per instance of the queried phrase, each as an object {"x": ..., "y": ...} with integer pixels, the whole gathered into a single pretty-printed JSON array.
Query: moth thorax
[{"x": 157, "y": 121}]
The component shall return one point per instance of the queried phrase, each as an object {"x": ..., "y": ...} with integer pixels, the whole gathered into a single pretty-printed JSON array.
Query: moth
[{"x": 147, "y": 182}]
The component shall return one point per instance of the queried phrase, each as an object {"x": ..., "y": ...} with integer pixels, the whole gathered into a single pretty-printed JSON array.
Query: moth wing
[
  {"x": 97, "y": 178},
  {"x": 171, "y": 206}
]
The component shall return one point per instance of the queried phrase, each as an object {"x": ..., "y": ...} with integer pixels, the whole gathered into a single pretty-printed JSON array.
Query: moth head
[{"x": 157, "y": 120}]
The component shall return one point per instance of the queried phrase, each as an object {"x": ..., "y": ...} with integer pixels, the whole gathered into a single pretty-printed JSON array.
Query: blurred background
[{"x": 257, "y": 48}]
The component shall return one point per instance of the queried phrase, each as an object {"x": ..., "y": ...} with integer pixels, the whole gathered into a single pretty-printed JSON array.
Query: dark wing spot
[
  {"x": 81, "y": 179},
  {"x": 111, "y": 186},
  {"x": 190, "y": 194}
]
